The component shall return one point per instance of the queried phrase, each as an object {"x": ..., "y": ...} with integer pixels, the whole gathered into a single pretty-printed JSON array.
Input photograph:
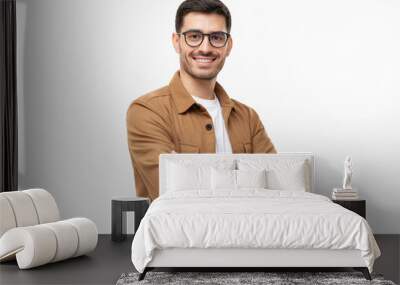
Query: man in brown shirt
[{"x": 171, "y": 119}]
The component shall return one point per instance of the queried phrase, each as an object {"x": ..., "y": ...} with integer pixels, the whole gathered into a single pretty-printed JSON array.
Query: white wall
[{"x": 324, "y": 77}]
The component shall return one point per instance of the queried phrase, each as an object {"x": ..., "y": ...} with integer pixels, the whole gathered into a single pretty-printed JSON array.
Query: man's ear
[
  {"x": 230, "y": 44},
  {"x": 175, "y": 42}
]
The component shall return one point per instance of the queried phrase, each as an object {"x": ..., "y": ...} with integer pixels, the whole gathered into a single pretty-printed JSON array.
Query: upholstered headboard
[{"x": 212, "y": 158}]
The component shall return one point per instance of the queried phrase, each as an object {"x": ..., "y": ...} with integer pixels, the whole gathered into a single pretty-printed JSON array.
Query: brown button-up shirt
[{"x": 169, "y": 119}]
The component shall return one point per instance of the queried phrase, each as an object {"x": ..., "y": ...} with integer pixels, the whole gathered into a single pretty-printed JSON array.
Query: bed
[{"x": 245, "y": 211}]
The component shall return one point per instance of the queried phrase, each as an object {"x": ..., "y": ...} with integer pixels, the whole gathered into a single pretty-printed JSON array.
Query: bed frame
[{"x": 247, "y": 259}]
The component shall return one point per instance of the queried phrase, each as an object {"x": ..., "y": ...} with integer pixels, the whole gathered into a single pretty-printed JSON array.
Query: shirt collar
[{"x": 184, "y": 101}]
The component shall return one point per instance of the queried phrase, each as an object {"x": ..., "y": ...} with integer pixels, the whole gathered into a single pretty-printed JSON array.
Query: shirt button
[{"x": 209, "y": 127}]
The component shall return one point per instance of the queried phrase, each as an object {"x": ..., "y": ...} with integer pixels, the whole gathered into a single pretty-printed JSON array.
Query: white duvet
[{"x": 251, "y": 218}]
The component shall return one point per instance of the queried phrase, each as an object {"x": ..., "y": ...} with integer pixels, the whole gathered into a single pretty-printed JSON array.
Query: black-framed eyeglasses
[{"x": 194, "y": 38}]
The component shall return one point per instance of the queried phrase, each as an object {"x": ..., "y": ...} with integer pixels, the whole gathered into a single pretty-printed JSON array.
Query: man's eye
[
  {"x": 218, "y": 37},
  {"x": 194, "y": 36}
]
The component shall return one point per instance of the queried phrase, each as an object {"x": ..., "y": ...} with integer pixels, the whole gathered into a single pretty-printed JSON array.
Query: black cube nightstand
[
  {"x": 119, "y": 207},
  {"x": 357, "y": 206}
]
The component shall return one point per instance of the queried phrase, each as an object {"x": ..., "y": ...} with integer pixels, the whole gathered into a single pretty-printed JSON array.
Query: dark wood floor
[
  {"x": 102, "y": 266},
  {"x": 111, "y": 259}
]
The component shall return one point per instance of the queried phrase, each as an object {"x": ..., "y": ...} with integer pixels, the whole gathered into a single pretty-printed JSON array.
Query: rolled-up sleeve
[
  {"x": 261, "y": 142},
  {"x": 148, "y": 137}
]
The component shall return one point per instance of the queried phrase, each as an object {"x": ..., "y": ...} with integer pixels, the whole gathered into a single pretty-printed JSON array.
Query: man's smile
[{"x": 203, "y": 59}]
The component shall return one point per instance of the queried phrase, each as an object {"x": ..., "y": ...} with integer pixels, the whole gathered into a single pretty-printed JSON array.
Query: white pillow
[
  {"x": 183, "y": 174},
  {"x": 188, "y": 177},
  {"x": 228, "y": 179},
  {"x": 251, "y": 178},
  {"x": 287, "y": 179},
  {"x": 282, "y": 174},
  {"x": 223, "y": 179}
]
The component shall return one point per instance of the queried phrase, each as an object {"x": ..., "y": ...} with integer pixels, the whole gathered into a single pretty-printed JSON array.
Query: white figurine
[{"x": 348, "y": 172}]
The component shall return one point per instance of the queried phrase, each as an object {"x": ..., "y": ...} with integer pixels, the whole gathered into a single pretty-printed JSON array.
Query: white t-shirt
[{"x": 213, "y": 107}]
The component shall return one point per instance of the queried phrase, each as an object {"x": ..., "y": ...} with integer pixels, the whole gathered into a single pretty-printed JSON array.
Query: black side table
[
  {"x": 119, "y": 207},
  {"x": 357, "y": 206}
]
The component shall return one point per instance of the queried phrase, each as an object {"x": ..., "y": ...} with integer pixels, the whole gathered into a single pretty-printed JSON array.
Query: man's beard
[{"x": 187, "y": 67}]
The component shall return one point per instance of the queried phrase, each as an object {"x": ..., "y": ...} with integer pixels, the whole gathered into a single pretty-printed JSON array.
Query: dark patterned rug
[{"x": 270, "y": 278}]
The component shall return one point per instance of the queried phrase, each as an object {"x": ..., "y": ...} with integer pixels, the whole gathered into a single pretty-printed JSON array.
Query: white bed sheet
[{"x": 250, "y": 218}]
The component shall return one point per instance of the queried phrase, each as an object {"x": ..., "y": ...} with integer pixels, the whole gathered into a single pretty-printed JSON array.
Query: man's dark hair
[{"x": 202, "y": 6}]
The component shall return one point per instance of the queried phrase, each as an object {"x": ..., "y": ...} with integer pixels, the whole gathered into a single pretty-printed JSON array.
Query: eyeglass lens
[{"x": 217, "y": 39}]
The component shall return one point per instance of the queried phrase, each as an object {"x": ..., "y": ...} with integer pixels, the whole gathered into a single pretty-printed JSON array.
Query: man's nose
[{"x": 205, "y": 45}]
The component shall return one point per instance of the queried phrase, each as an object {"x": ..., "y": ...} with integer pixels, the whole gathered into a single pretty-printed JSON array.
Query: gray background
[{"x": 323, "y": 76}]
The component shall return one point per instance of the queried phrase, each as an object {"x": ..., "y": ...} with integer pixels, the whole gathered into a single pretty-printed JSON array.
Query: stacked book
[{"x": 344, "y": 194}]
